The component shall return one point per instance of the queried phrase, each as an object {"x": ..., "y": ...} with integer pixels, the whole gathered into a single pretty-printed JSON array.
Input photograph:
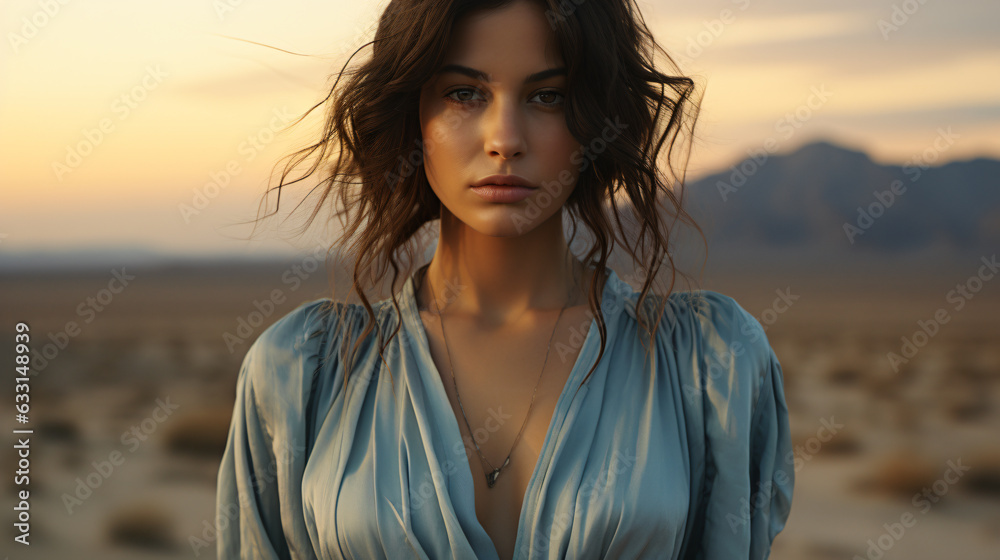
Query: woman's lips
[{"x": 503, "y": 193}]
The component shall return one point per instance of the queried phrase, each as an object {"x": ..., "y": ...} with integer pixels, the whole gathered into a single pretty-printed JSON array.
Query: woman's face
[{"x": 500, "y": 120}]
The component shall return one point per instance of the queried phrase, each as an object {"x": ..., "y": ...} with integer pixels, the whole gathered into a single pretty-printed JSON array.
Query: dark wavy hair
[{"x": 372, "y": 132}]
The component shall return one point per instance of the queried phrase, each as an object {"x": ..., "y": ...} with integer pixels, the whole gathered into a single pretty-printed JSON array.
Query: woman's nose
[{"x": 504, "y": 128}]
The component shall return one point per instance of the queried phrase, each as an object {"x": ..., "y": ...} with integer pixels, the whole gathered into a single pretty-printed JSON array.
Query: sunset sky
[{"x": 177, "y": 100}]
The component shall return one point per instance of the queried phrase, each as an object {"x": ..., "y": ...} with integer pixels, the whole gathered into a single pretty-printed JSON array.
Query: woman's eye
[
  {"x": 464, "y": 98},
  {"x": 550, "y": 95}
]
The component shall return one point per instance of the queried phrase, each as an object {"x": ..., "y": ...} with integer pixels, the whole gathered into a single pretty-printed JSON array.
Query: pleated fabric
[{"x": 681, "y": 453}]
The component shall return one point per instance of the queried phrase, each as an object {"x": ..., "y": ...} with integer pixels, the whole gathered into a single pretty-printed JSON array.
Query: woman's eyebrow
[{"x": 483, "y": 76}]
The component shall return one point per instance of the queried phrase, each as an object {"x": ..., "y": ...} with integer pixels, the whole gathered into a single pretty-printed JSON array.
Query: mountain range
[{"x": 825, "y": 196}]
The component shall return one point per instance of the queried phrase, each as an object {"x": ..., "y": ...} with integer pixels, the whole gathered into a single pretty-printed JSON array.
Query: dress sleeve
[
  {"x": 772, "y": 473},
  {"x": 259, "y": 498},
  {"x": 749, "y": 475}
]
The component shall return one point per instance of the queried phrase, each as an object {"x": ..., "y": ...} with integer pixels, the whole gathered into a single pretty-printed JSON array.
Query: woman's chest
[
  {"x": 389, "y": 480},
  {"x": 504, "y": 392}
]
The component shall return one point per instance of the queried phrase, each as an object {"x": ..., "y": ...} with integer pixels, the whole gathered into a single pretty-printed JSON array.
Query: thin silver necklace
[{"x": 494, "y": 472}]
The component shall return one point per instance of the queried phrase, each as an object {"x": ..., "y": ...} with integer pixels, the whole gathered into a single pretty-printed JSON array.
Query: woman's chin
[{"x": 506, "y": 220}]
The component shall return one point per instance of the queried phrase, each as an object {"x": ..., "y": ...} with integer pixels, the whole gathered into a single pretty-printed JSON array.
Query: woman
[{"x": 514, "y": 401}]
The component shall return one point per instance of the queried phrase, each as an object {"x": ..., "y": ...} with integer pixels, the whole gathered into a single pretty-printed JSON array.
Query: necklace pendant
[{"x": 491, "y": 478}]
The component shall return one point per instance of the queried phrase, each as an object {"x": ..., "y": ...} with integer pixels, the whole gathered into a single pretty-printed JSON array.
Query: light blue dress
[{"x": 692, "y": 461}]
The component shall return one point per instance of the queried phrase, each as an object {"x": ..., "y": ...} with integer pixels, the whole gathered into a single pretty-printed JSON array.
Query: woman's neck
[{"x": 498, "y": 279}]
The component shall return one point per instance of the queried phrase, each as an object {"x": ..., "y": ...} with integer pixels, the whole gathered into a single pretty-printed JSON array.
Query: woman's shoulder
[
  {"x": 301, "y": 329},
  {"x": 310, "y": 327},
  {"x": 707, "y": 316},
  {"x": 288, "y": 350},
  {"x": 720, "y": 317},
  {"x": 289, "y": 354},
  {"x": 727, "y": 341},
  {"x": 285, "y": 360},
  {"x": 732, "y": 387}
]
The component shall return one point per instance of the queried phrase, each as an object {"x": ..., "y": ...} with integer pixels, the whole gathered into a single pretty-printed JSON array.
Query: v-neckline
[{"x": 411, "y": 312}]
